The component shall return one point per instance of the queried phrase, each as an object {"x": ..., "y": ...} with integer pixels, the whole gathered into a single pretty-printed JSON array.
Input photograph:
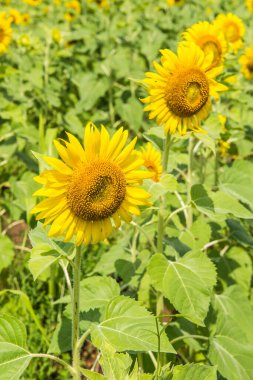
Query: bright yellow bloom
[
  {"x": 233, "y": 29},
  {"x": 5, "y": 34},
  {"x": 246, "y": 62},
  {"x": 101, "y": 3},
  {"x": 24, "y": 40},
  {"x": 224, "y": 147},
  {"x": 92, "y": 186},
  {"x": 249, "y": 5},
  {"x": 74, "y": 9},
  {"x": 152, "y": 161},
  {"x": 34, "y": 3},
  {"x": 56, "y": 35},
  {"x": 180, "y": 91},
  {"x": 206, "y": 36},
  {"x": 175, "y": 2},
  {"x": 15, "y": 16},
  {"x": 25, "y": 18}
]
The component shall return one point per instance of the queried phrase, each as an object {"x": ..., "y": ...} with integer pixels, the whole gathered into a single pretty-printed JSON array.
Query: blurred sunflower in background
[
  {"x": 206, "y": 36},
  {"x": 34, "y": 3},
  {"x": 175, "y": 2},
  {"x": 152, "y": 161},
  {"x": 74, "y": 9},
  {"x": 5, "y": 33},
  {"x": 180, "y": 91},
  {"x": 101, "y": 3},
  {"x": 233, "y": 29},
  {"x": 14, "y": 16},
  {"x": 246, "y": 61},
  {"x": 92, "y": 186},
  {"x": 249, "y": 5}
]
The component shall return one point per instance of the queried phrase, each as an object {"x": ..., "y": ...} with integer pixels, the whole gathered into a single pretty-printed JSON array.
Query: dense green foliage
[{"x": 190, "y": 308}]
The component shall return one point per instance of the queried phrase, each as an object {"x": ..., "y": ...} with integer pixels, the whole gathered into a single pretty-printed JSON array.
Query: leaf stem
[
  {"x": 189, "y": 184},
  {"x": 201, "y": 337},
  {"x": 56, "y": 359},
  {"x": 75, "y": 314}
]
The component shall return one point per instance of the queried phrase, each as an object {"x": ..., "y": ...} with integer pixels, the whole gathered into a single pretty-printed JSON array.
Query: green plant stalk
[
  {"x": 162, "y": 199},
  {"x": 41, "y": 132},
  {"x": 56, "y": 359},
  {"x": 216, "y": 168},
  {"x": 189, "y": 181},
  {"x": 75, "y": 314}
]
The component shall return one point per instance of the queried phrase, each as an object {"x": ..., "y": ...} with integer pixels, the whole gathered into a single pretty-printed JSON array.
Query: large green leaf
[
  {"x": 198, "y": 235},
  {"x": 230, "y": 352},
  {"x": 212, "y": 203},
  {"x": 238, "y": 181},
  {"x": 193, "y": 371},
  {"x": 128, "y": 327},
  {"x": 187, "y": 283},
  {"x": 235, "y": 267},
  {"x": 14, "y": 357},
  {"x": 234, "y": 304},
  {"x": 6, "y": 253}
]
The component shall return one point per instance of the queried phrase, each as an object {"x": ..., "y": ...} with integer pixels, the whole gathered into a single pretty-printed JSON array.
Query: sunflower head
[
  {"x": 179, "y": 93},
  {"x": 15, "y": 16},
  {"x": 93, "y": 187},
  {"x": 249, "y": 5},
  {"x": 209, "y": 39},
  {"x": 152, "y": 161},
  {"x": 33, "y": 3},
  {"x": 233, "y": 29},
  {"x": 175, "y": 2},
  {"x": 246, "y": 62},
  {"x": 5, "y": 34}
]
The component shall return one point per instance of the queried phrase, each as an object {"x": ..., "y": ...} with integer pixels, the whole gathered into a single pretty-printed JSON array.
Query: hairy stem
[
  {"x": 189, "y": 184},
  {"x": 56, "y": 359},
  {"x": 75, "y": 316}
]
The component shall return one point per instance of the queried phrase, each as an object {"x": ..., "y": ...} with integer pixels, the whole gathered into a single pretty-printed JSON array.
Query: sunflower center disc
[
  {"x": 1, "y": 34},
  {"x": 231, "y": 32},
  {"x": 187, "y": 92},
  {"x": 96, "y": 190},
  {"x": 214, "y": 48},
  {"x": 250, "y": 67}
]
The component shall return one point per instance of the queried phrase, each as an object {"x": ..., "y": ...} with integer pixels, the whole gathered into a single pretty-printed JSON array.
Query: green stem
[
  {"x": 201, "y": 337},
  {"x": 162, "y": 199},
  {"x": 216, "y": 168},
  {"x": 189, "y": 180},
  {"x": 75, "y": 314},
  {"x": 41, "y": 133},
  {"x": 54, "y": 358}
]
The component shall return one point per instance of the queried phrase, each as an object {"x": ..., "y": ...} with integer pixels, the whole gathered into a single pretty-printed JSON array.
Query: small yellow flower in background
[
  {"x": 246, "y": 61},
  {"x": 74, "y": 8},
  {"x": 56, "y": 35},
  {"x": 101, "y": 3},
  {"x": 14, "y": 16},
  {"x": 152, "y": 161},
  {"x": 5, "y": 34},
  {"x": 92, "y": 187},
  {"x": 57, "y": 2},
  {"x": 224, "y": 146},
  {"x": 249, "y": 5},
  {"x": 34, "y": 3},
  {"x": 206, "y": 36},
  {"x": 180, "y": 91},
  {"x": 24, "y": 40},
  {"x": 233, "y": 29},
  {"x": 222, "y": 120},
  {"x": 25, "y": 19},
  {"x": 175, "y": 2}
]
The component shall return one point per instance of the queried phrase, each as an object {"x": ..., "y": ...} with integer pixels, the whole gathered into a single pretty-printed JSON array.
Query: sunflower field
[{"x": 126, "y": 167}]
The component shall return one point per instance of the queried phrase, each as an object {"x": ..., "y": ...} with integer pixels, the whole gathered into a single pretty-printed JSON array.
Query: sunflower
[
  {"x": 175, "y": 2},
  {"x": 74, "y": 8},
  {"x": 34, "y": 3},
  {"x": 206, "y": 36},
  {"x": 15, "y": 16},
  {"x": 25, "y": 18},
  {"x": 246, "y": 62},
  {"x": 92, "y": 186},
  {"x": 152, "y": 161},
  {"x": 233, "y": 29},
  {"x": 101, "y": 3},
  {"x": 249, "y": 5},
  {"x": 179, "y": 93},
  {"x": 5, "y": 34}
]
